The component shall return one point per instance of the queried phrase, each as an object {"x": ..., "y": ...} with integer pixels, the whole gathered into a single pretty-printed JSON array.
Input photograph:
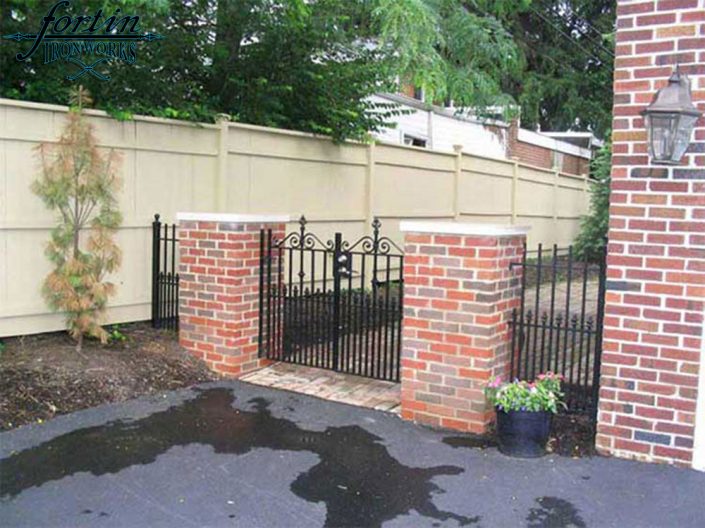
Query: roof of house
[
  {"x": 580, "y": 139},
  {"x": 576, "y": 143}
]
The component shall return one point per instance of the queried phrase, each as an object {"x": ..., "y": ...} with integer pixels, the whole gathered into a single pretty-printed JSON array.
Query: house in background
[{"x": 441, "y": 127}]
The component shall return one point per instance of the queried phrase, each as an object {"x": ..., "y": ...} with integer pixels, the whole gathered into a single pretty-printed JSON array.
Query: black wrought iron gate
[
  {"x": 165, "y": 276},
  {"x": 558, "y": 326},
  {"x": 332, "y": 304}
]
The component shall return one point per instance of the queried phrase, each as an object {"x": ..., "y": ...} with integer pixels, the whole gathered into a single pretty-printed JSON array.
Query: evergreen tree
[
  {"x": 80, "y": 183},
  {"x": 590, "y": 242}
]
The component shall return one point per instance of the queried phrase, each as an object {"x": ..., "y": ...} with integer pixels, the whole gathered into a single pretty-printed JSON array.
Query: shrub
[
  {"x": 80, "y": 184},
  {"x": 544, "y": 394},
  {"x": 115, "y": 334},
  {"x": 590, "y": 242}
]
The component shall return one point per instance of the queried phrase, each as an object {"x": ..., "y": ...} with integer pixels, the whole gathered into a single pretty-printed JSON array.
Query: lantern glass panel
[
  {"x": 662, "y": 132},
  {"x": 683, "y": 133}
]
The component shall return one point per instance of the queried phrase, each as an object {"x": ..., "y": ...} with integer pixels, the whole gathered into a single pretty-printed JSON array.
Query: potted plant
[{"x": 524, "y": 413}]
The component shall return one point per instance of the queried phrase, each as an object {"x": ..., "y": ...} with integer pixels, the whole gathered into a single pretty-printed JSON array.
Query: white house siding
[
  {"x": 474, "y": 137},
  {"x": 414, "y": 124},
  {"x": 442, "y": 132}
]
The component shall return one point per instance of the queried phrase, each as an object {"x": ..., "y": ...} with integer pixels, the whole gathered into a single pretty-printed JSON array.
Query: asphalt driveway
[{"x": 232, "y": 454}]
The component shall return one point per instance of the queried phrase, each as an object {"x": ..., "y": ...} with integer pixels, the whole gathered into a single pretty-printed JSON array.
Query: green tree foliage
[
  {"x": 80, "y": 184},
  {"x": 451, "y": 48},
  {"x": 590, "y": 242},
  {"x": 568, "y": 50},
  {"x": 310, "y": 64},
  {"x": 299, "y": 64}
]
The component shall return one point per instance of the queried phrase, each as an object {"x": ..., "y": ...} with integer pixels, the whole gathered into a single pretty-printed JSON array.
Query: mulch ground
[
  {"x": 42, "y": 376},
  {"x": 572, "y": 435}
]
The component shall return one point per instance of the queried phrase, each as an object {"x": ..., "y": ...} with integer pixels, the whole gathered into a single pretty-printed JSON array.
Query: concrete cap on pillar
[
  {"x": 462, "y": 228},
  {"x": 233, "y": 218}
]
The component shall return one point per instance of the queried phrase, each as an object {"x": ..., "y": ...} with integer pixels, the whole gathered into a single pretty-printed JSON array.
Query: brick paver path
[
  {"x": 330, "y": 385},
  {"x": 576, "y": 297}
]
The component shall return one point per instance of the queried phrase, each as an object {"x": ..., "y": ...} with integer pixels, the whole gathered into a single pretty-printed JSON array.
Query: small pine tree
[
  {"x": 590, "y": 242},
  {"x": 80, "y": 184}
]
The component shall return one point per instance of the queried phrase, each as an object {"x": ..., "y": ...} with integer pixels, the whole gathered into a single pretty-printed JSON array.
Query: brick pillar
[
  {"x": 219, "y": 287},
  {"x": 458, "y": 296},
  {"x": 653, "y": 334}
]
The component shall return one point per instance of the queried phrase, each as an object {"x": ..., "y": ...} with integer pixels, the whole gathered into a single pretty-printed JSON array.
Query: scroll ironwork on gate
[{"x": 332, "y": 304}]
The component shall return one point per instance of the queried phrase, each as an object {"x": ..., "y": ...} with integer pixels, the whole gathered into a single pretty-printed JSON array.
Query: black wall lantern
[{"x": 670, "y": 119}]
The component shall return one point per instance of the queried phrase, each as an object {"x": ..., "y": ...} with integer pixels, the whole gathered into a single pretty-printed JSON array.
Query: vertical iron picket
[
  {"x": 343, "y": 327},
  {"x": 570, "y": 339},
  {"x": 598, "y": 335},
  {"x": 263, "y": 257},
  {"x": 165, "y": 278},
  {"x": 536, "y": 311},
  {"x": 156, "y": 230},
  {"x": 522, "y": 321}
]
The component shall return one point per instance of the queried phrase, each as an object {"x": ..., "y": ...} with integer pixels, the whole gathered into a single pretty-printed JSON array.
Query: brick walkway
[
  {"x": 384, "y": 395},
  {"x": 561, "y": 292},
  {"x": 330, "y": 385}
]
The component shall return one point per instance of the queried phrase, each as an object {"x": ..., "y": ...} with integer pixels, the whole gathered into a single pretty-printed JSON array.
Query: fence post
[
  {"x": 515, "y": 183},
  {"x": 556, "y": 178},
  {"x": 458, "y": 295},
  {"x": 221, "y": 195},
  {"x": 456, "y": 180},
  {"x": 369, "y": 185},
  {"x": 337, "y": 265},
  {"x": 156, "y": 230},
  {"x": 220, "y": 303},
  {"x": 600, "y": 323}
]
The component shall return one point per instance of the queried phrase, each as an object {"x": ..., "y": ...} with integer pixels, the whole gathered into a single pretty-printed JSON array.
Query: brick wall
[
  {"x": 458, "y": 297},
  {"x": 219, "y": 288},
  {"x": 653, "y": 342},
  {"x": 541, "y": 156},
  {"x": 531, "y": 154}
]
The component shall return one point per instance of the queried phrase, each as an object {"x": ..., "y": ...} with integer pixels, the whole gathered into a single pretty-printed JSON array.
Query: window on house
[{"x": 414, "y": 141}]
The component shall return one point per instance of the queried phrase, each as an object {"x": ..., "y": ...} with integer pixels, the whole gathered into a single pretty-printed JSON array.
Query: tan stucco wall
[{"x": 170, "y": 166}]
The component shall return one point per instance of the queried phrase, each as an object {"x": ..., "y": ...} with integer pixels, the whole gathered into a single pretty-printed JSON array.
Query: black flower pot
[{"x": 523, "y": 434}]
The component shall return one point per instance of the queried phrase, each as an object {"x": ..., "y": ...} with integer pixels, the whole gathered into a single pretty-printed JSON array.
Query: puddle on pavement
[
  {"x": 356, "y": 477},
  {"x": 554, "y": 513},
  {"x": 470, "y": 441}
]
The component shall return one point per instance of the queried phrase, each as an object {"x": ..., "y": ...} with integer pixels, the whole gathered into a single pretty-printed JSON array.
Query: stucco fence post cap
[
  {"x": 463, "y": 228},
  {"x": 233, "y": 218}
]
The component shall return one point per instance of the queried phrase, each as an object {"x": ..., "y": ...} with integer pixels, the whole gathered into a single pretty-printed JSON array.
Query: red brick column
[
  {"x": 458, "y": 296},
  {"x": 219, "y": 287},
  {"x": 653, "y": 333}
]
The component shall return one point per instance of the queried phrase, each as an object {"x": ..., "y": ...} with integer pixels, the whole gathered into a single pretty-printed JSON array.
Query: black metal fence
[
  {"x": 332, "y": 305},
  {"x": 558, "y": 326},
  {"x": 165, "y": 278}
]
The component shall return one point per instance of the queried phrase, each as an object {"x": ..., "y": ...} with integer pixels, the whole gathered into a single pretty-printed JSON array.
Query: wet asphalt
[{"x": 233, "y": 454}]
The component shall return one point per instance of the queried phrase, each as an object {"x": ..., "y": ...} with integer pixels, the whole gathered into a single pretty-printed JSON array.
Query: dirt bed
[
  {"x": 42, "y": 376},
  {"x": 572, "y": 435}
]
